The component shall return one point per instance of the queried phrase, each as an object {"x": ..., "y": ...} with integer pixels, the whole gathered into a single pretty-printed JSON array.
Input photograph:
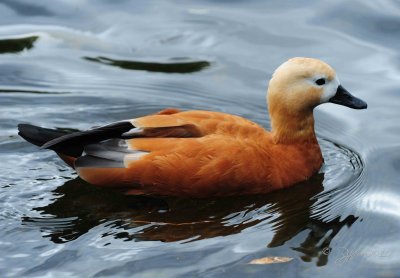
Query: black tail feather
[
  {"x": 38, "y": 135},
  {"x": 71, "y": 144}
]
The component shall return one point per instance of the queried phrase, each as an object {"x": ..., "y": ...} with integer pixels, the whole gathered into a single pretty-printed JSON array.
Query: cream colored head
[
  {"x": 300, "y": 84},
  {"x": 296, "y": 88}
]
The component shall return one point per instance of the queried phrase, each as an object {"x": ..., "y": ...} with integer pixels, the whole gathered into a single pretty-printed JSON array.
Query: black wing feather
[
  {"x": 78, "y": 140},
  {"x": 39, "y": 135}
]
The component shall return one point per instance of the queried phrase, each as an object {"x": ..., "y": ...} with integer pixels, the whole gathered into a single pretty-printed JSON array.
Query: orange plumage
[{"x": 204, "y": 153}]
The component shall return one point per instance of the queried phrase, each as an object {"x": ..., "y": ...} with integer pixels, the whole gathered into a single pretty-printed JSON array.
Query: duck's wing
[
  {"x": 120, "y": 152},
  {"x": 169, "y": 123},
  {"x": 153, "y": 126},
  {"x": 199, "y": 123}
]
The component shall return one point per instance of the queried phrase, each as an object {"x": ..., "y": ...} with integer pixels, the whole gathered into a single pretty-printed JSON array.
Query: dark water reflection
[
  {"x": 82, "y": 207},
  {"x": 177, "y": 67},
  {"x": 16, "y": 45},
  {"x": 77, "y": 64}
]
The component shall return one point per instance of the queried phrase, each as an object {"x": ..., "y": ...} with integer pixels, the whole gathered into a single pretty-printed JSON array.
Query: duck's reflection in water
[{"x": 288, "y": 212}]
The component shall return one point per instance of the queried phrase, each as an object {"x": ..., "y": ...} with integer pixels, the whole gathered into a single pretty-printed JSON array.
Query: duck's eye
[{"x": 320, "y": 81}]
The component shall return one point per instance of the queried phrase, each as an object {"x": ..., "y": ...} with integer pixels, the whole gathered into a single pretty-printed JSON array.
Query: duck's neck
[{"x": 290, "y": 127}]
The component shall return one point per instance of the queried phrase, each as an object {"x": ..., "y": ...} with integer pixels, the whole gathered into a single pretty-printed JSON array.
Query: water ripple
[{"x": 68, "y": 224}]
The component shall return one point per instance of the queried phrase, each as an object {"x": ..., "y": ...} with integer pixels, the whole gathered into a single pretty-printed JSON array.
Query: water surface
[{"x": 77, "y": 64}]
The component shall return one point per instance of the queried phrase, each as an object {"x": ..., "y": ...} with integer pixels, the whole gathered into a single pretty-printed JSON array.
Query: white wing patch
[{"x": 113, "y": 153}]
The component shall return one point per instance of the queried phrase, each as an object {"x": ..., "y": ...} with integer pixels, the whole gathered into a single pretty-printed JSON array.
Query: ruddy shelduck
[{"x": 205, "y": 153}]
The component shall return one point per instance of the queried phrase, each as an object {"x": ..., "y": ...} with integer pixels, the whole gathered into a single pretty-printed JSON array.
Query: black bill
[{"x": 343, "y": 97}]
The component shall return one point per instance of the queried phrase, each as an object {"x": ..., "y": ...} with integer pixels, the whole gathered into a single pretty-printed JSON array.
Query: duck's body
[
  {"x": 204, "y": 153},
  {"x": 211, "y": 154}
]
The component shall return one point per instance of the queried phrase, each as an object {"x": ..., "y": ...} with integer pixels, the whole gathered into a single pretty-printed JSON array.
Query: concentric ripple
[
  {"x": 343, "y": 174},
  {"x": 340, "y": 164}
]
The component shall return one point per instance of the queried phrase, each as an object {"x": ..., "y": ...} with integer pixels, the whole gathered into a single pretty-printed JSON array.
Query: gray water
[{"x": 76, "y": 64}]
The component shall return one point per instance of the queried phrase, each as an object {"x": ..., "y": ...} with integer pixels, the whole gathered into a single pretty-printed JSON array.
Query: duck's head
[
  {"x": 296, "y": 88},
  {"x": 301, "y": 84}
]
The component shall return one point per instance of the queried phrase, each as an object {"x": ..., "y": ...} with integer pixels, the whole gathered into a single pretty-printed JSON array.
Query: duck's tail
[{"x": 40, "y": 136}]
